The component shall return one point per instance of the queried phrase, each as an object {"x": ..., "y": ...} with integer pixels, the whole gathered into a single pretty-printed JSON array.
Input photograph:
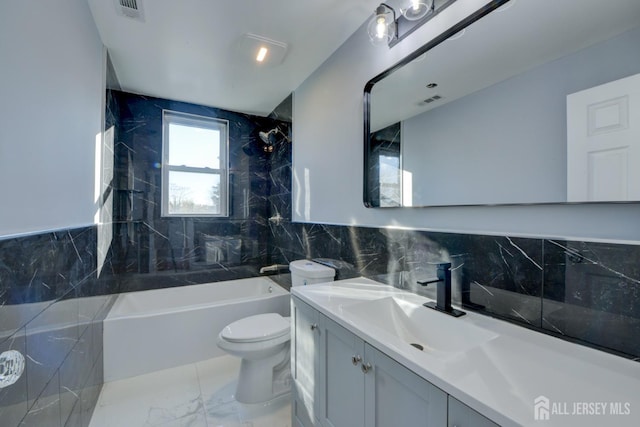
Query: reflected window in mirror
[{"x": 386, "y": 169}]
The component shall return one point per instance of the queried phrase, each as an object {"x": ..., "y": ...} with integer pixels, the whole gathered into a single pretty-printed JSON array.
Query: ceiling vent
[
  {"x": 131, "y": 9},
  {"x": 430, "y": 100}
]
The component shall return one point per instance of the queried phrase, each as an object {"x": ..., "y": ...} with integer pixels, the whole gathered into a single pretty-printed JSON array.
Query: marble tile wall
[
  {"x": 51, "y": 309},
  {"x": 583, "y": 292},
  {"x": 150, "y": 251}
]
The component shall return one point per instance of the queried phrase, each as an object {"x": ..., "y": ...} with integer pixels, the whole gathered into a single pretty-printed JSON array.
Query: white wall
[
  {"x": 328, "y": 157},
  {"x": 51, "y": 102}
]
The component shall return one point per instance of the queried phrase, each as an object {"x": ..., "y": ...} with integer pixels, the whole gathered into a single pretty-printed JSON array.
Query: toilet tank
[{"x": 304, "y": 272}]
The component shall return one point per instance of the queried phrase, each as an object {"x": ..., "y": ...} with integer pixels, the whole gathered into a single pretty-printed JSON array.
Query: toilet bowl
[{"x": 262, "y": 342}]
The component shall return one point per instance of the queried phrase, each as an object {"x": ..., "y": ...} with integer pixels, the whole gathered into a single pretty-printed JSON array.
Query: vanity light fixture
[
  {"x": 417, "y": 10},
  {"x": 387, "y": 28},
  {"x": 382, "y": 28}
]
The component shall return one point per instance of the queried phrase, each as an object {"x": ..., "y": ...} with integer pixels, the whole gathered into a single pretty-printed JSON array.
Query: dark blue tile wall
[
  {"x": 53, "y": 300},
  {"x": 47, "y": 315},
  {"x": 583, "y": 292},
  {"x": 592, "y": 293},
  {"x": 150, "y": 251}
]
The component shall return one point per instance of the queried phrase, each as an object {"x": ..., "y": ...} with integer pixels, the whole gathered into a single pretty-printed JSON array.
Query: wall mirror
[{"x": 520, "y": 103}]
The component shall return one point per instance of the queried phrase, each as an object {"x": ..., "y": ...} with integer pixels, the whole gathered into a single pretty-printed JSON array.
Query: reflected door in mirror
[{"x": 603, "y": 142}]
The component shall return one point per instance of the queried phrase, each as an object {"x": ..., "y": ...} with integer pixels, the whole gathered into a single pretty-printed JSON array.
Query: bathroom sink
[{"x": 421, "y": 327}]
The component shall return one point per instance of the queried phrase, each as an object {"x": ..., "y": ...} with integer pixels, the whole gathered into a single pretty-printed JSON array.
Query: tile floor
[{"x": 195, "y": 395}]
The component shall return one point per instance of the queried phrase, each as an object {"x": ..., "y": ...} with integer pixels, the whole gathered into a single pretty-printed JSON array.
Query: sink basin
[{"x": 421, "y": 327}]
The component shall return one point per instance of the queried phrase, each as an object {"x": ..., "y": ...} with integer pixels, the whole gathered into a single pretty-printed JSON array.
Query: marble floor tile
[
  {"x": 218, "y": 383},
  {"x": 194, "y": 395},
  {"x": 170, "y": 397},
  {"x": 223, "y": 410}
]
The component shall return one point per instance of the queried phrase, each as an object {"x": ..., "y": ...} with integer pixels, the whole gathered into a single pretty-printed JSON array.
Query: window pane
[
  {"x": 390, "y": 194},
  {"x": 389, "y": 169},
  {"x": 194, "y": 146},
  {"x": 194, "y": 193}
]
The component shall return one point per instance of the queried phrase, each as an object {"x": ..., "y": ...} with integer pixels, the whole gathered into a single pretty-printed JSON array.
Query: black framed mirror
[{"x": 495, "y": 110}]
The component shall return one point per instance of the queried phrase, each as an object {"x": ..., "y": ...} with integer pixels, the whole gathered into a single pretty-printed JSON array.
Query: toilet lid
[{"x": 260, "y": 327}]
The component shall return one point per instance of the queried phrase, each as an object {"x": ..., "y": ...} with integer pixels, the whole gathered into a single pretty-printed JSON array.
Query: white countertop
[{"x": 500, "y": 378}]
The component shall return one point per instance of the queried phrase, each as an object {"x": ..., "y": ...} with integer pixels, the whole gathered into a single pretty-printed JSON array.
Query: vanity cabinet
[
  {"x": 305, "y": 359},
  {"x": 395, "y": 396},
  {"x": 345, "y": 382},
  {"x": 460, "y": 415},
  {"x": 341, "y": 394},
  {"x": 360, "y": 386}
]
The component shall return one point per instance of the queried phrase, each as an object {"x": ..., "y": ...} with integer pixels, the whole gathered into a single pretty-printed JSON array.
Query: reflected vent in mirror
[
  {"x": 130, "y": 8},
  {"x": 430, "y": 100}
]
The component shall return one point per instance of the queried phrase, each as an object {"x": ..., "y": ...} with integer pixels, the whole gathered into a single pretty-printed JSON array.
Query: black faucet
[{"x": 443, "y": 300}]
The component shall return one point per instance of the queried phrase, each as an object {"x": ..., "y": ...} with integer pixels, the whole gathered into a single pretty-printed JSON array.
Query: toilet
[{"x": 262, "y": 342}]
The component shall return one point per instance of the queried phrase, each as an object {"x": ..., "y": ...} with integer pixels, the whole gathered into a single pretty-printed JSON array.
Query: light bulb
[
  {"x": 381, "y": 27},
  {"x": 262, "y": 53},
  {"x": 417, "y": 10}
]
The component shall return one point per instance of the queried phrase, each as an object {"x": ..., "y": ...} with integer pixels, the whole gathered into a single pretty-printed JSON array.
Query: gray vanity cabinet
[
  {"x": 362, "y": 387},
  {"x": 396, "y": 396},
  {"x": 460, "y": 415},
  {"x": 342, "y": 388},
  {"x": 305, "y": 355},
  {"x": 339, "y": 380}
]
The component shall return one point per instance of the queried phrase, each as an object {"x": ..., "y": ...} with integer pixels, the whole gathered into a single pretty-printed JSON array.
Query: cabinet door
[
  {"x": 396, "y": 396},
  {"x": 342, "y": 382},
  {"x": 460, "y": 415},
  {"x": 305, "y": 333}
]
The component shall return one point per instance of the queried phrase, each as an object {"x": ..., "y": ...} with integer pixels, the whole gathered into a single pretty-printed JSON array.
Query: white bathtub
[{"x": 151, "y": 330}]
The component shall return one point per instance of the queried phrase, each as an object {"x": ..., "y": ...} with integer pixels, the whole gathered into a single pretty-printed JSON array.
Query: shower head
[
  {"x": 268, "y": 137},
  {"x": 271, "y": 137}
]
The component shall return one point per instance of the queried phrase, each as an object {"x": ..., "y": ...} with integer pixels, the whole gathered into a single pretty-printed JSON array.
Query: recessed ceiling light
[{"x": 262, "y": 53}]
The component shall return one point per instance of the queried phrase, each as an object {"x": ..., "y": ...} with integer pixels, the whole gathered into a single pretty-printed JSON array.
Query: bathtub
[{"x": 152, "y": 330}]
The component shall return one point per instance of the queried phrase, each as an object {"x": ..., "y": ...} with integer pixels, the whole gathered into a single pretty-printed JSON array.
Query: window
[
  {"x": 390, "y": 179},
  {"x": 385, "y": 177},
  {"x": 194, "y": 165}
]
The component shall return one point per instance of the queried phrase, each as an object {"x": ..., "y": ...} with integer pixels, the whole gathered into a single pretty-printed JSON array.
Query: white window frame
[{"x": 186, "y": 119}]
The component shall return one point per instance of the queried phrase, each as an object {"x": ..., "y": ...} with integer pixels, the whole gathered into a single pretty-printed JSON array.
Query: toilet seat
[{"x": 261, "y": 327}]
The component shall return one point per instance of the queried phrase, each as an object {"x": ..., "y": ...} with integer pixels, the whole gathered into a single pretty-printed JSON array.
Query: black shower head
[
  {"x": 272, "y": 137},
  {"x": 269, "y": 137}
]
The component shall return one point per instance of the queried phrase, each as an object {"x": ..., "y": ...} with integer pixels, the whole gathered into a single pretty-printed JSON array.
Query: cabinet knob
[
  {"x": 314, "y": 326},
  {"x": 355, "y": 359},
  {"x": 366, "y": 367}
]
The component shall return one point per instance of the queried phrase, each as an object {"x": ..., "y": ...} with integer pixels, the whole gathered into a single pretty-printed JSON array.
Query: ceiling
[{"x": 192, "y": 50}]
